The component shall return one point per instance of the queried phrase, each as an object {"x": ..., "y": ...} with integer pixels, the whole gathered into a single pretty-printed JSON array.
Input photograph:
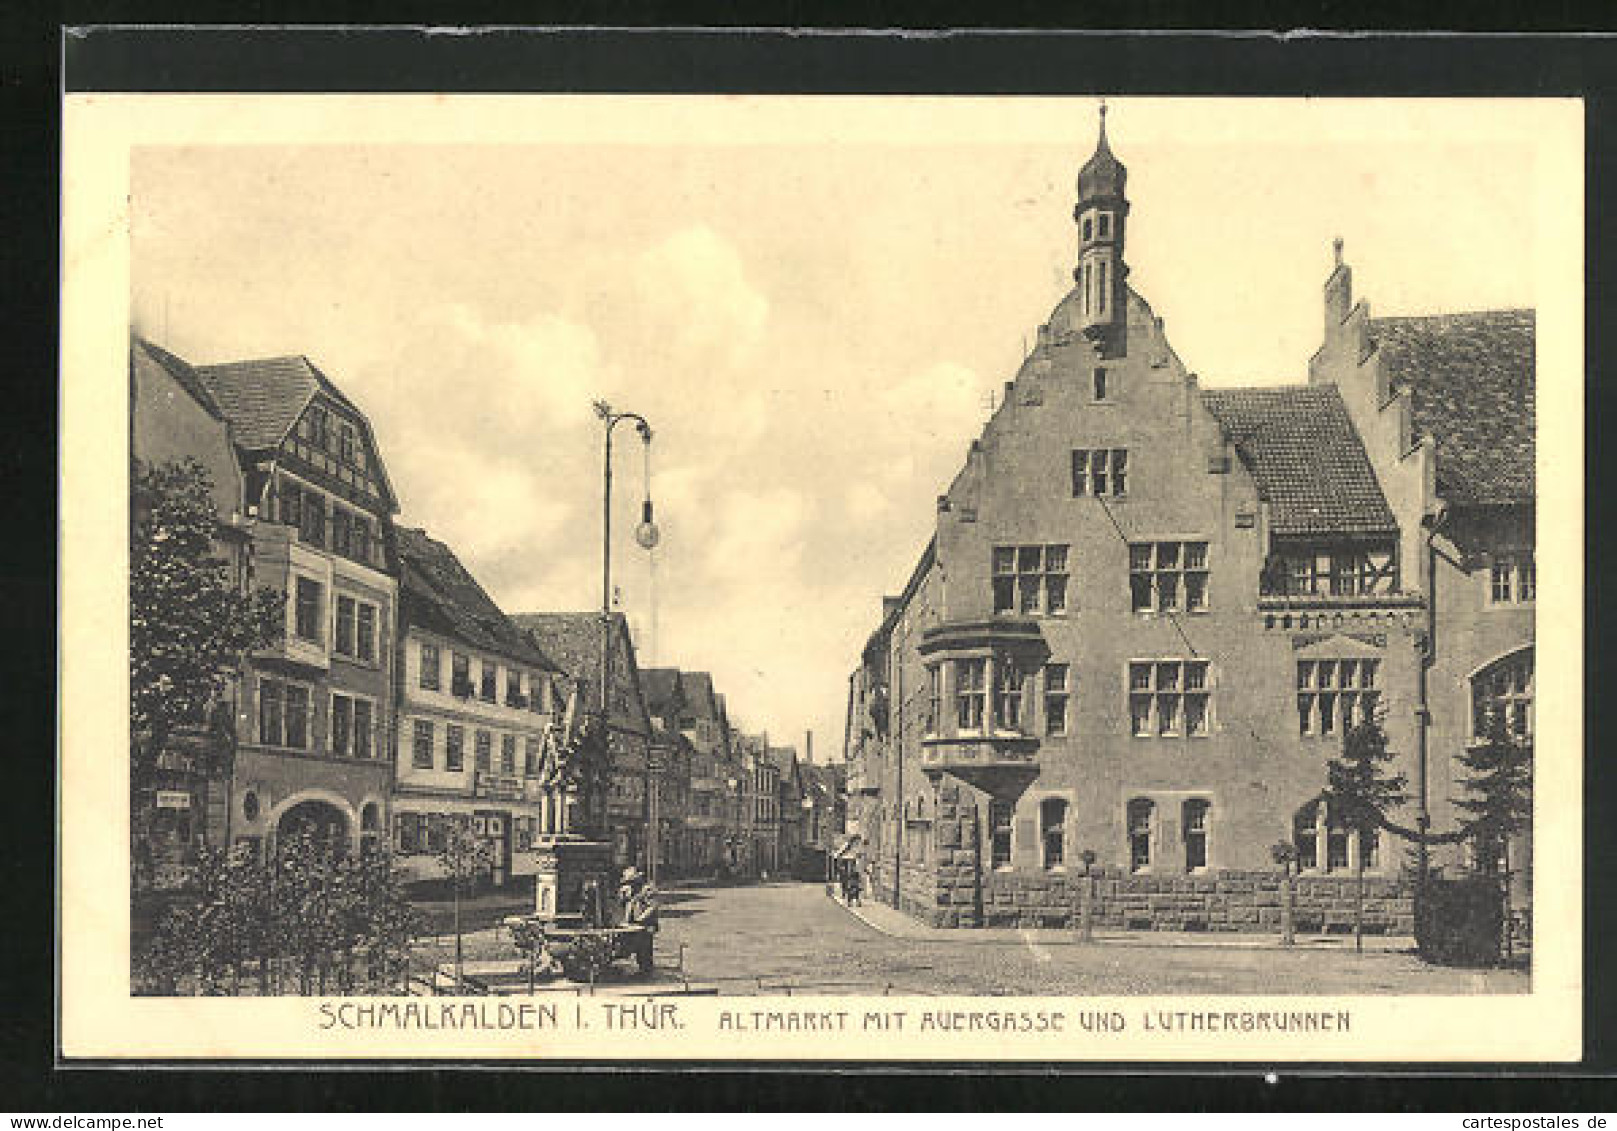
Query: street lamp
[{"x": 646, "y": 534}]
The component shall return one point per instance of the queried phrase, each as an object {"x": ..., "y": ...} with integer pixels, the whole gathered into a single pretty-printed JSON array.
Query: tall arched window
[
  {"x": 1504, "y": 691},
  {"x": 1053, "y": 831},
  {"x": 1140, "y": 811}
]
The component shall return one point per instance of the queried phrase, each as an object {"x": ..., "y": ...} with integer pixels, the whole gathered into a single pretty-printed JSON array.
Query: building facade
[
  {"x": 478, "y": 712},
  {"x": 314, "y": 719},
  {"x": 173, "y": 419},
  {"x": 1151, "y": 609}
]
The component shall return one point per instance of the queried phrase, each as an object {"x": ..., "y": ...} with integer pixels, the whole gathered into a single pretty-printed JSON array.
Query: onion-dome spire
[{"x": 1103, "y": 175}]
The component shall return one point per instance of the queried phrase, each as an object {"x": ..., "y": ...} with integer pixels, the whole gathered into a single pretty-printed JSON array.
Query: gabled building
[
  {"x": 479, "y": 710},
  {"x": 714, "y": 816},
  {"x": 314, "y": 720},
  {"x": 671, "y": 756},
  {"x": 573, "y": 642},
  {"x": 1166, "y": 603}
]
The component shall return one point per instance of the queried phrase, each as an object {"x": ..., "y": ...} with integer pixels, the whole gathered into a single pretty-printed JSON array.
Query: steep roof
[
  {"x": 698, "y": 687},
  {"x": 264, "y": 397},
  {"x": 185, "y": 375},
  {"x": 1471, "y": 376},
  {"x": 573, "y": 641},
  {"x": 1309, "y": 463},
  {"x": 661, "y": 687},
  {"x": 437, "y": 593}
]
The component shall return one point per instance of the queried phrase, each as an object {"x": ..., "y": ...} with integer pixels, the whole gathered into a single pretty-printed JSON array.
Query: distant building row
[{"x": 401, "y": 700}]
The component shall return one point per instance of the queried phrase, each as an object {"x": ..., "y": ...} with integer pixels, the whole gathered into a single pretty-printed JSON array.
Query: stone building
[
  {"x": 478, "y": 711},
  {"x": 1151, "y": 609},
  {"x": 314, "y": 719},
  {"x": 573, "y": 642}
]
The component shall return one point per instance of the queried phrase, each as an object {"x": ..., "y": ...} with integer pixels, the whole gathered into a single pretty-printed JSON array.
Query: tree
[
  {"x": 465, "y": 858},
  {"x": 1500, "y": 804},
  {"x": 189, "y": 622},
  {"x": 1358, "y": 793}
]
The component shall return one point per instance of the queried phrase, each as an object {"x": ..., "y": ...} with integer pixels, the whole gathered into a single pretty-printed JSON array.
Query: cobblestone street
[{"x": 791, "y": 937}]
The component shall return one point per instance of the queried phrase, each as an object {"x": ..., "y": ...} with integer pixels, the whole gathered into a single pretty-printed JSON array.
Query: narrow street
[{"x": 780, "y": 938}]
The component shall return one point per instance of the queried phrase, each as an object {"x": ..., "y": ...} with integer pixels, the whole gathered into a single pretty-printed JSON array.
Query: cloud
[{"x": 692, "y": 290}]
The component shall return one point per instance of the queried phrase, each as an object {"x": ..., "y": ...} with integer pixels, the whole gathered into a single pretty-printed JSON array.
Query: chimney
[
  {"x": 808, "y": 746},
  {"x": 1338, "y": 292}
]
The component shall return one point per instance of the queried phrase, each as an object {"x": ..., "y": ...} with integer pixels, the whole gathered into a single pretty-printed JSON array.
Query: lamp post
[{"x": 646, "y": 534}]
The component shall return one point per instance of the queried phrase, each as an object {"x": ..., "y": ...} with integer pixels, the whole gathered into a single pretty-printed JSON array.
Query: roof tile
[{"x": 1306, "y": 456}]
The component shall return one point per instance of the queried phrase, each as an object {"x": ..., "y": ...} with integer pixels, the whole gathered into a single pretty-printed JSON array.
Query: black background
[{"x": 642, "y": 59}]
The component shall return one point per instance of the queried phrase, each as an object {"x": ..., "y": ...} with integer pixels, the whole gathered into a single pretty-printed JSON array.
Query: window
[
  {"x": 367, "y": 632},
  {"x": 1169, "y": 697},
  {"x": 530, "y": 758},
  {"x": 1139, "y": 830},
  {"x": 421, "y": 747},
  {"x": 508, "y": 754},
  {"x": 1007, "y": 694},
  {"x": 1313, "y": 825},
  {"x": 1099, "y": 471},
  {"x": 1336, "y": 571},
  {"x": 429, "y": 666},
  {"x": 1512, "y": 579},
  {"x": 485, "y": 751},
  {"x": 297, "y": 716},
  {"x": 1055, "y": 699},
  {"x": 1089, "y": 227},
  {"x": 410, "y": 832},
  {"x": 488, "y": 682},
  {"x": 934, "y": 697},
  {"x": 1504, "y": 691},
  {"x": 364, "y": 746},
  {"x": 1195, "y": 834},
  {"x": 999, "y": 837},
  {"x": 315, "y": 426},
  {"x": 342, "y": 723},
  {"x": 968, "y": 693},
  {"x": 1333, "y": 696},
  {"x": 1053, "y": 831},
  {"x": 1100, "y": 304},
  {"x": 1030, "y": 579},
  {"x": 351, "y": 726},
  {"x": 289, "y": 504},
  {"x": 349, "y": 446},
  {"x": 359, "y": 534},
  {"x": 312, "y": 524},
  {"x": 460, "y": 680},
  {"x": 1168, "y": 576},
  {"x": 454, "y": 748},
  {"x": 306, "y": 622},
  {"x": 513, "y": 689},
  {"x": 345, "y": 626},
  {"x": 271, "y": 707},
  {"x": 1100, "y": 395}
]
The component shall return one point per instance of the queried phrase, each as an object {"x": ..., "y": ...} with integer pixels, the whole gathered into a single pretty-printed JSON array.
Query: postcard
[{"x": 820, "y": 578}]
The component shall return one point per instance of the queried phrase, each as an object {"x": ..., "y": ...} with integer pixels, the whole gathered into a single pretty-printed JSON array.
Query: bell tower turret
[{"x": 1102, "y": 216}]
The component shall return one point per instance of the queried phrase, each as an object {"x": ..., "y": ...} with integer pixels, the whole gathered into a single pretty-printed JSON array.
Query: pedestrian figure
[{"x": 854, "y": 888}]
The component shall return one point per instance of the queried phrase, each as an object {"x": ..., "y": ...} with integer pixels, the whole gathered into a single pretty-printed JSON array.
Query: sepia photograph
[{"x": 1037, "y": 577}]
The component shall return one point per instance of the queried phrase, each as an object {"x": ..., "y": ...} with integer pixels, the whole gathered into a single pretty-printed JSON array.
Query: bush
[{"x": 1458, "y": 920}]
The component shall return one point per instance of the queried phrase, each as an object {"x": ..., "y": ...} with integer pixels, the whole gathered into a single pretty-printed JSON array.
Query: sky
[{"x": 811, "y": 318}]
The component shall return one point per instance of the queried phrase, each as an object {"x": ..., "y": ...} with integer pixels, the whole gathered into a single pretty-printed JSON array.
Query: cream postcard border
[{"x": 99, "y": 1018}]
